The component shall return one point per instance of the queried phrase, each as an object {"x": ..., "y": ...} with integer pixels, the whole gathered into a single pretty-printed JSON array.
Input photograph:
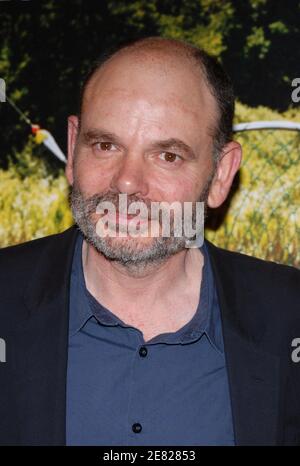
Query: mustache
[
  {"x": 93, "y": 201},
  {"x": 89, "y": 204}
]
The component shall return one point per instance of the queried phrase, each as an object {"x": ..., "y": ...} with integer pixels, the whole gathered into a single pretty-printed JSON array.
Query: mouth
[{"x": 124, "y": 219}]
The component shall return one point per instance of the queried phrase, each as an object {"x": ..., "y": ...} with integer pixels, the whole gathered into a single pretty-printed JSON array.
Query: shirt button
[
  {"x": 136, "y": 428},
  {"x": 143, "y": 351}
]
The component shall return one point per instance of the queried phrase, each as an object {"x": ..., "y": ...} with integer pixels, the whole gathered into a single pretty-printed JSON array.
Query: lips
[{"x": 123, "y": 219}]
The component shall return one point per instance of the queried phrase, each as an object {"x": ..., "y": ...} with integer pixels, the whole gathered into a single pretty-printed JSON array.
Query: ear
[
  {"x": 227, "y": 167},
  {"x": 72, "y": 137}
]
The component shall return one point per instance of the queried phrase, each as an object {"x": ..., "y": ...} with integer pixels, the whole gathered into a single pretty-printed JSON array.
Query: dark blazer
[{"x": 260, "y": 309}]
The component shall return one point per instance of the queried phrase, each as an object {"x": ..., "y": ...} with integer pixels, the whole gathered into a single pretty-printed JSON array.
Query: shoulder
[
  {"x": 20, "y": 259},
  {"x": 34, "y": 245},
  {"x": 264, "y": 291},
  {"x": 253, "y": 266},
  {"x": 27, "y": 247},
  {"x": 35, "y": 265}
]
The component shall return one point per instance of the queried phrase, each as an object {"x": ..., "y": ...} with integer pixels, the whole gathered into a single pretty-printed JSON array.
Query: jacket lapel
[
  {"x": 253, "y": 374},
  {"x": 41, "y": 343}
]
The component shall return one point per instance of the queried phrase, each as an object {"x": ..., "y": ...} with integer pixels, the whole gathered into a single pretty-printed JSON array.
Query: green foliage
[
  {"x": 258, "y": 39},
  {"x": 33, "y": 202},
  {"x": 47, "y": 47},
  {"x": 263, "y": 217}
]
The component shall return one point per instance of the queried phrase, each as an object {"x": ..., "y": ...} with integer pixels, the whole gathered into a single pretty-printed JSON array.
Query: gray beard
[{"x": 134, "y": 254}]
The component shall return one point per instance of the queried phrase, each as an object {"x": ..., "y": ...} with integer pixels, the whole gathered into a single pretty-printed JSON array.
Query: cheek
[
  {"x": 91, "y": 178},
  {"x": 185, "y": 186}
]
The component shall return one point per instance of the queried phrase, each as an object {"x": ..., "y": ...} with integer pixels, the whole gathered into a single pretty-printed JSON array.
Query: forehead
[{"x": 157, "y": 89}]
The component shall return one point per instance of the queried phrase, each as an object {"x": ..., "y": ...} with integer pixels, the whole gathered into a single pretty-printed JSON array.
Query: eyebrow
[
  {"x": 96, "y": 134},
  {"x": 165, "y": 144},
  {"x": 174, "y": 144}
]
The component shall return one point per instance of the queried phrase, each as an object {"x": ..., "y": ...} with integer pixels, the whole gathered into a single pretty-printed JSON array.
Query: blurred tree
[
  {"x": 47, "y": 47},
  {"x": 262, "y": 53}
]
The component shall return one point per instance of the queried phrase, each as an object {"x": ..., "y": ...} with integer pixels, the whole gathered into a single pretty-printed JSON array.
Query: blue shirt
[{"x": 171, "y": 390}]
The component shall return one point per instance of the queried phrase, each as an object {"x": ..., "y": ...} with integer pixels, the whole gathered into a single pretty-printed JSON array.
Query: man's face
[{"x": 146, "y": 131}]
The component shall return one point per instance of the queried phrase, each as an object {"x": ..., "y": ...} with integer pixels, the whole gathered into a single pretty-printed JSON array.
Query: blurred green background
[{"x": 46, "y": 48}]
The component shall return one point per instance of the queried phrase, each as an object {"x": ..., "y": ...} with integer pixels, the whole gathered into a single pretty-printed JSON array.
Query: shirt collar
[
  {"x": 206, "y": 320},
  {"x": 80, "y": 311},
  {"x": 213, "y": 327}
]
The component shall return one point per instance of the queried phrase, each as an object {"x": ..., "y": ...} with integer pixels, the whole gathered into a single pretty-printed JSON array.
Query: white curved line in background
[{"x": 279, "y": 124}]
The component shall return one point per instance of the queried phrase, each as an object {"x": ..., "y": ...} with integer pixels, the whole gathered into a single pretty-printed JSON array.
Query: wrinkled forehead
[{"x": 162, "y": 79}]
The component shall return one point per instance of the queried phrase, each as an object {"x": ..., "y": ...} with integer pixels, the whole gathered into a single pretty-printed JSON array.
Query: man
[{"x": 139, "y": 339}]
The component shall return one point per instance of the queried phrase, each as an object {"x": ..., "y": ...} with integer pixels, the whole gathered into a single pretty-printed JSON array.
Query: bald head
[{"x": 167, "y": 55}]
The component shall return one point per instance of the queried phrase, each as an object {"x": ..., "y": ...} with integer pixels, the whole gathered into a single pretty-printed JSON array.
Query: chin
[{"x": 136, "y": 244}]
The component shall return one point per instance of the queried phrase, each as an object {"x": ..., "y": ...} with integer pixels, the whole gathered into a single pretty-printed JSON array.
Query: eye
[
  {"x": 105, "y": 146},
  {"x": 169, "y": 157}
]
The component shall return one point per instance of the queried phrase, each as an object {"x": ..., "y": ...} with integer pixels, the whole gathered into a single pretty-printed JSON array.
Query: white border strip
[{"x": 288, "y": 125}]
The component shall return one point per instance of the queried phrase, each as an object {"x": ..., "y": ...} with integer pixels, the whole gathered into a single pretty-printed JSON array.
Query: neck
[{"x": 110, "y": 281}]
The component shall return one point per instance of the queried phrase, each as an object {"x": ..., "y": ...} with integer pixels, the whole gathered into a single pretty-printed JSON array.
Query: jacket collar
[
  {"x": 40, "y": 351},
  {"x": 41, "y": 345},
  {"x": 253, "y": 373}
]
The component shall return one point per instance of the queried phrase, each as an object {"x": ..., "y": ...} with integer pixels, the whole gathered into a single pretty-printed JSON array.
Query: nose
[{"x": 130, "y": 175}]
